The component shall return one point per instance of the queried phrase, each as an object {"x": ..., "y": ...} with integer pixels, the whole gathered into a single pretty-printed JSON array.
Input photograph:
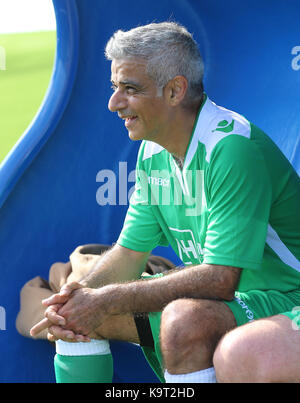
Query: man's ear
[{"x": 176, "y": 89}]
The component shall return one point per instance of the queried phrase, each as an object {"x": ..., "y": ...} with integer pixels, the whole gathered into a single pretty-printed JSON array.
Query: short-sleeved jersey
[{"x": 235, "y": 202}]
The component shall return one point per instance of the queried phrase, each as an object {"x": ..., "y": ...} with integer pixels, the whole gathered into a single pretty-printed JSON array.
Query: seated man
[{"x": 210, "y": 184}]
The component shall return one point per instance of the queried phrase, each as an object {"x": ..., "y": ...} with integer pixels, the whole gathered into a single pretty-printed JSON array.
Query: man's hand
[
  {"x": 105, "y": 273},
  {"x": 55, "y": 322},
  {"x": 84, "y": 311},
  {"x": 74, "y": 313}
]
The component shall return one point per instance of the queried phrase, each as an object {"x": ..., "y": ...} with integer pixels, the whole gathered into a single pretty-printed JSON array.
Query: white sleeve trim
[{"x": 281, "y": 250}]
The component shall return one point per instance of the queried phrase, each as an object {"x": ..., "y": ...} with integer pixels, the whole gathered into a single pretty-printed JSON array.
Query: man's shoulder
[
  {"x": 222, "y": 121},
  {"x": 218, "y": 123}
]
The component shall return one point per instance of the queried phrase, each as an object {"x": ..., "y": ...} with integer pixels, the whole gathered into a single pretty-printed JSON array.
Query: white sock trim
[
  {"x": 94, "y": 347},
  {"x": 203, "y": 376}
]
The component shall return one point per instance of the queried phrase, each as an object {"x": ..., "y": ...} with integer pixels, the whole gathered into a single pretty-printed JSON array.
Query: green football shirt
[{"x": 236, "y": 202}]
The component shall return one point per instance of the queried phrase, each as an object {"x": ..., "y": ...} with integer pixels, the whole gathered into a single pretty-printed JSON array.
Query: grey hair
[{"x": 169, "y": 50}]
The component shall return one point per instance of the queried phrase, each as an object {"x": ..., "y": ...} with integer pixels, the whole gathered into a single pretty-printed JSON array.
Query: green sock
[
  {"x": 83, "y": 362},
  {"x": 83, "y": 368}
]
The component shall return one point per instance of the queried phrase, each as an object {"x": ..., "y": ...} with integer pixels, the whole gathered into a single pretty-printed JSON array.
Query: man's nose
[{"x": 117, "y": 101}]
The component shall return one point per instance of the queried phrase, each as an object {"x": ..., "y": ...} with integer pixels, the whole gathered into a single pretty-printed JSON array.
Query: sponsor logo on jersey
[
  {"x": 153, "y": 180},
  {"x": 248, "y": 312},
  {"x": 224, "y": 126},
  {"x": 296, "y": 320},
  {"x": 189, "y": 250}
]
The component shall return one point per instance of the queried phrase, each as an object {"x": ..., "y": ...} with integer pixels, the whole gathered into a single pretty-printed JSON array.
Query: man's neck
[
  {"x": 179, "y": 161},
  {"x": 180, "y": 134}
]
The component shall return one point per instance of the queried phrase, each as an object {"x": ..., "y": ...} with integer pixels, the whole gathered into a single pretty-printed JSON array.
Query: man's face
[{"x": 135, "y": 99}]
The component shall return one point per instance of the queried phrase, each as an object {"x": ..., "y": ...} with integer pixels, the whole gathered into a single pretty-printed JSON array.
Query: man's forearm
[
  {"x": 203, "y": 281},
  {"x": 117, "y": 265}
]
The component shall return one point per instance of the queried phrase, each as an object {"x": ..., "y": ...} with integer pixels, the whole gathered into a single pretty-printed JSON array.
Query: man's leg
[
  {"x": 266, "y": 350},
  {"x": 91, "y": 362},
  {"x": 190, "y": 331}
]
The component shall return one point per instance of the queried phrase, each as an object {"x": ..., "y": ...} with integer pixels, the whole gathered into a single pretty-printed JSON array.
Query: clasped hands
[{"x": 72, "y": 315}]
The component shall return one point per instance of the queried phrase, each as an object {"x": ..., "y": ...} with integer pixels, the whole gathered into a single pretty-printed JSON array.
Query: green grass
[{"x": 24, "y": 82}]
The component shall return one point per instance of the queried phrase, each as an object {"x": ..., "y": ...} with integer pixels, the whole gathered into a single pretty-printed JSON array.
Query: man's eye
[{"x": 130, "y": 90}]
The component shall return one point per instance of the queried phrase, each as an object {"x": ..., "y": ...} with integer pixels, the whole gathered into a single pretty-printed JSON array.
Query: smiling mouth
[{"x": 129, "y": 120}]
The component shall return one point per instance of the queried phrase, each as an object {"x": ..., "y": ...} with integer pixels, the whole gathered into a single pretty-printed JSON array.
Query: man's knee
[
  {"x": 177, "y": 324},
  {"x": 178, "y": 336},
  {"x": 191, "y": 326}
]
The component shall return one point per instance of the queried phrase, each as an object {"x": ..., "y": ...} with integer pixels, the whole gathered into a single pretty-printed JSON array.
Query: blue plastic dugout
[{"x": 49, "y": 182}]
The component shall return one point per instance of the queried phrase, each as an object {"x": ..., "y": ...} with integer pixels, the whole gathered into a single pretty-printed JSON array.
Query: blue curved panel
[{"x": 49, "y": 182}]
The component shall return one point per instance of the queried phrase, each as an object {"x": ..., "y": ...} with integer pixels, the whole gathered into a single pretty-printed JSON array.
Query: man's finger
[
  {"x": 81, "y": 338},
  {"x": 62, "y": 334},
  {"x": 67, "y": 289},
  {"x": 39, "y": 327},
  {"x": 77, "y": 338},
  {"x": 55, "y": 299},
  {"x": 51, "y": 338},
  {"x": 64, "y": 294},
  {"x": 52, "y": 315}
]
